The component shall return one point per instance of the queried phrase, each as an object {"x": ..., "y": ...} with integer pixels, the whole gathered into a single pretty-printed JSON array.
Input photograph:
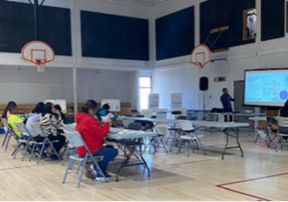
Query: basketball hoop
[
  {"x": 200, "y": 56},
  {"x": 40, "y": 65},
  {"x": 38, "y": 53}
]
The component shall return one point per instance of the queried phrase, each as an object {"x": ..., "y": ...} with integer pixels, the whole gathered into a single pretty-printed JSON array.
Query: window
[
  {"x": 145, "y": 84},
  {"x": 249, "y": 23}
]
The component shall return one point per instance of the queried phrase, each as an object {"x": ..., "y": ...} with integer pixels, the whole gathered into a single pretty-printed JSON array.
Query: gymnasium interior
[{"x": 162, "y": 65}]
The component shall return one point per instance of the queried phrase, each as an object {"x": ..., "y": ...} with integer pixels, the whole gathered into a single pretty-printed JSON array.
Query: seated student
[
  {"x": 58, "y": 107},
  {"x": 6, "y": 112},
  {"x": 283, "y": 112},
  {"x": 93, "y": 134},
  {"x": 10, "y": 113},
  {"x": 34, "y": 117},
  {"x": 104, "y": 113},
  {"x": 50, "y": 125}
]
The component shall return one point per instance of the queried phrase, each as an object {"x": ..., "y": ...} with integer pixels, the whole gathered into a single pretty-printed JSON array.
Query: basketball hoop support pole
[{"x": 36, "y": 19}]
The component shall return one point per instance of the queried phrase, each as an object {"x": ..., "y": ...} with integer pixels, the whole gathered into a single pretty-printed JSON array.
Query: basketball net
[
  {"x": 198, "y": 64},
  {"x": 40, "y": 65}
]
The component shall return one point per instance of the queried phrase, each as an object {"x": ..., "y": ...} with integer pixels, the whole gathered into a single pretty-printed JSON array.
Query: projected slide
[{"x": 266, "y": 87}]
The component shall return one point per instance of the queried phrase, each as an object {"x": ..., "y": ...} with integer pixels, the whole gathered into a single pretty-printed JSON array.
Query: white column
[
  {"x": 197, "y": 42},
  {"x": 197, "y": 23},
  {"x": 75, "y": 89},
  {"x": 74, "y": 54},
  {"x": 258, "y": 28}
]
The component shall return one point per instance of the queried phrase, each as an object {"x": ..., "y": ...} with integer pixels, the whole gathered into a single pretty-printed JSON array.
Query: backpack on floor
[{"x": 263, "y": 138}]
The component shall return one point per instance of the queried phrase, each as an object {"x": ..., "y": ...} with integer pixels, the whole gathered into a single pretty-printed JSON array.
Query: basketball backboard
[
  {"x": 201, "y": 55},
  {"x": 36, "y": 51}
]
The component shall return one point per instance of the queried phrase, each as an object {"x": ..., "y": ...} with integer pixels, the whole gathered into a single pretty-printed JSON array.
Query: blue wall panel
[
  {"x": 17, "y": 27},
  {"x": 115, "y": 37},
  {"x": 175, "y": 34}
]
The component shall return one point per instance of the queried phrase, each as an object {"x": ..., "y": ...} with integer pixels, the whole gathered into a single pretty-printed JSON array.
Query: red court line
[
  {"x": 188, "y": 162},
  {"x": 248, "y": 180}
]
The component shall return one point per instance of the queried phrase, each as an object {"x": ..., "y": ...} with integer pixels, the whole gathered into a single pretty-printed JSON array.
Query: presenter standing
[{"x": 226, "y": 102}]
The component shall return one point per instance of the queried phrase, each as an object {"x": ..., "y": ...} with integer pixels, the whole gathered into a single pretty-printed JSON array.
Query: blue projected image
[{"x": 266, "y": 87}]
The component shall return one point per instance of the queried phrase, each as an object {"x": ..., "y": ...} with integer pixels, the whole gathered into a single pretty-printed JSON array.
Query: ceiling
[{"x": 140, "y": 2}]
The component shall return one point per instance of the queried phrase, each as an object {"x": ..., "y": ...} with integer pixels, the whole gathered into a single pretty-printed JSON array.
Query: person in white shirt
[{"x": 104, "y": 113}]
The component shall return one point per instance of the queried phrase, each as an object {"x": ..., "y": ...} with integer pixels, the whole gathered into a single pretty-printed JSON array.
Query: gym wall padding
[
  {"x": 175, "y": 34},
  {"x": 272, "y": 19},
  {"x": 219, "y": 13},
  {"x": 113, "y": 36},
  {"x": 17, "y": 27}
]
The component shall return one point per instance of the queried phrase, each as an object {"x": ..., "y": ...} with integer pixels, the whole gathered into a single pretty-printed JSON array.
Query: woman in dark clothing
[
  {"x": 283, "y": 112},
  {"x": 57, "y": 107}
]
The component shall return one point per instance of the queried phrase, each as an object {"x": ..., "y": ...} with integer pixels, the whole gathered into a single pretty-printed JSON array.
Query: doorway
[{"x": 238, "y": 104}]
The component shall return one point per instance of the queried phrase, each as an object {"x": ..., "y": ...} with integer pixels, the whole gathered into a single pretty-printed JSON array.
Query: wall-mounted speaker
[{"x": 203, "y": 83}]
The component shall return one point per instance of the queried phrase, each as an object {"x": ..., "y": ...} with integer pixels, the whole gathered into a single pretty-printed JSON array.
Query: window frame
[{"x": 151, "y": 87}]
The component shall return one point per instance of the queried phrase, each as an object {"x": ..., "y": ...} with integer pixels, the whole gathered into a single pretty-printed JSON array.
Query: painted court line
[
  {"x": 18, "y": 167},
  {"x": 175, "y": 164},
  {"x": 222, "y": 186}
]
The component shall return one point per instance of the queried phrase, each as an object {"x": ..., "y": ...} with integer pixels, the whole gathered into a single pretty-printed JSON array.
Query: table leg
[
  {"x": 128, "y": 152},
  {"x": 237, "y": 140},
  {"x": 123, "y": 162},
  {"x": 226, "y": 132},
  {"x": 145, "y": 163},
  {"x": 200, "y": 143}
]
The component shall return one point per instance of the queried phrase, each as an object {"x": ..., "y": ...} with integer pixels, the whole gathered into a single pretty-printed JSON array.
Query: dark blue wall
[
  {"x": 219, "y": 13},
  {"x": 272, "y": 19},
  {"x": 115, "y": 37},
  {"x": 17, "y": 27},
  {"x": 175, "y": 34}
]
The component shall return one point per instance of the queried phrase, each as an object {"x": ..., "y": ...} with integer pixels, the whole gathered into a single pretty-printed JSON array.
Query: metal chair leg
[
  {"x": 5, "y": 138},
  {"x": 65, "y": 156},
  {"x": 25, "y": 150},
  {"x": 16, "y": 150},
  {"x": 7, "y": 143},
  {"x": 41, "y": 152},
  {"x": 32, "y": 152}
]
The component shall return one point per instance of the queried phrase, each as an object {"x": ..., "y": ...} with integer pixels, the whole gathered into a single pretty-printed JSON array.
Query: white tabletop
[
  {"x": 129, "y": 134},
  {"x": 239, "y": 114},
  {"x": 217, "y": 124},
  {"x": 258, "y": 118},
  {"x": 197, "y": 123}
]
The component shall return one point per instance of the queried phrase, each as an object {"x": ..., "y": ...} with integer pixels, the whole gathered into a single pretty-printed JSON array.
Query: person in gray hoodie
[{"x": 34, "y": 117}]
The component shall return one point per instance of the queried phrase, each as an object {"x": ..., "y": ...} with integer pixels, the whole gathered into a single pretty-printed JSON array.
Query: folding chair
[
  {"x": 189, "y": 136},
  {"x": 131, "y": 126},
  {"x": 174, "y": 132},
  {"x": 71, "y": 128},
  {"x": 8, "y": 134},
  {"x": 126, "y": 122},
  {"x": 38, "y": 130},
  {"x": 282, "y": 131},
  {"x": 271, "y": 129},
  {"x": 22, "y": 129},
  {"x": 157, "y": 141},
  {"x": 76, "y": 140}
]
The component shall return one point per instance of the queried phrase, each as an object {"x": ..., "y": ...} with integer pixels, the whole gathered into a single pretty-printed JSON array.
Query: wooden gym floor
[{"x": 261, "y": 175}]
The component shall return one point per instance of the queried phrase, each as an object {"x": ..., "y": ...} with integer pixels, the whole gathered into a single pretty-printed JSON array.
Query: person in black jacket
[
  {"x": 283, "y": 112},
  {"x": 57, "y": 107}
]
